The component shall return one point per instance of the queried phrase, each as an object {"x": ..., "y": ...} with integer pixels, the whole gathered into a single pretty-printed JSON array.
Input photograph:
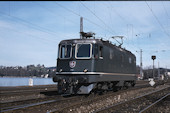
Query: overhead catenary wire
[
  {"x": 78, "y": 14},
  {"x": 33, "y": 36},
  {"x": 35, "y": 27},
  {"x": 30, "y": 23},
  {"x": 166, "y": 12},
  {"x": 68, "y": 18},
  {"x": 54, "y": 13},
  {"x": 157, "y": 20},
  {"x": 86, "y": 18},
  {"x": 115, "y": 11},
  {"x": 97, "y": 17},
  {"x": 45, "y": 29},
  {"x": 82, "y": 16},
  {"x": 123, "y": 19}
]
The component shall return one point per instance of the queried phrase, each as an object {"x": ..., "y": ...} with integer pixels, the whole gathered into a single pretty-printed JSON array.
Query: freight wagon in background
[{"x": 90, "y": 65}]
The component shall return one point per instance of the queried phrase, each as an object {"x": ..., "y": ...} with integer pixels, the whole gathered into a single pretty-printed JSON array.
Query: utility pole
[
  {"x": 158, "y": 70},
  {"x": 153, "y": 69},
  {"x": 141, "y": 72},
  {"x": 81, "y": 27}
]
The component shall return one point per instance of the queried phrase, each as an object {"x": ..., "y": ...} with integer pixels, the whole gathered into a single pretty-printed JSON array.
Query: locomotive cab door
[{"x": 98, "y": 55}]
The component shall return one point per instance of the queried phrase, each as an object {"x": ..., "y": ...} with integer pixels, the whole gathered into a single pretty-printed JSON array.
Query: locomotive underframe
[{"x": 84, "y": 83}]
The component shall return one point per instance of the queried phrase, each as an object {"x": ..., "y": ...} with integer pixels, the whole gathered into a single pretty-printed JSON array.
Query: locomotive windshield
[
  {"x": 83, "y": 51},
  {"x": 65, "y": 51}
]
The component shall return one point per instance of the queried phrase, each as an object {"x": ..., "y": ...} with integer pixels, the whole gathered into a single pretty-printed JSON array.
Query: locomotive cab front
[
  {"x": 75, "y": 63},
  {"x": 75, "y": 57}
]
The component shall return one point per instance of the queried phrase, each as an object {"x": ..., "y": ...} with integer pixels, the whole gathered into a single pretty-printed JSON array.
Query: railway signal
[{"x": 153, "y": 57}]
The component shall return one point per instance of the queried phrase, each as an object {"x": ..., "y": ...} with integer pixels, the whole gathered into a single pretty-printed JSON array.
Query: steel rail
[
  {"x": 28, "y": 90},
  {"x": 153, "y": 104},
  {"x": 5, "y": 109},
  {"x": 124, "y": 102},
  {"x": 95, "y": 99},
  {"x": 26, "y": 105},
  {"x": 17, "y": 107}
]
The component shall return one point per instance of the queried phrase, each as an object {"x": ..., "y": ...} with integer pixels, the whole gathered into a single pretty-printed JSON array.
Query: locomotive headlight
[
  {"x": 77, "y": 82},
  {"x": 85, "y": 70},
  {"x": 64, "y": 81},
  {"x": 60, "y": 70}
]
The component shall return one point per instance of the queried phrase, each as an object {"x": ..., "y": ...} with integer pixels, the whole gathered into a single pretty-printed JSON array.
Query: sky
[{"x": 31, "y": 31}]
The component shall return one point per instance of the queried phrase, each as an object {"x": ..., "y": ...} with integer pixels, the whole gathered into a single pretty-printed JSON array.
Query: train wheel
[
  {"x": 126, "y": 85},
  {"x": 116, "y": 88},
  {"x": 132, "y": 83}
]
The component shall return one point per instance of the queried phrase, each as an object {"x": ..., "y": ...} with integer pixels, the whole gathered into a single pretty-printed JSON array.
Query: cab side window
[
  {"x": 101, "y": 52},
  {"x": 96, "y": 53}
]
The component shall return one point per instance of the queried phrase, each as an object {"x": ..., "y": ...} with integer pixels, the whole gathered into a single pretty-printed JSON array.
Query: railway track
[
  {"x": 28, "y": 94},
  {"x": 27, "y": 105},
  {"x": 12, "y": 108},
  {"x": 92, "y": 104},
  {"x": 17, "y": 106},
  {"x": 142, "y": 104},
  {"x": 28, "y": 101},
  {"x": 156, "y": 105},
  {"x": 10, "y": 94},
  {"x": 59, "y": 103},
  {"x": 8, "y": 91}
]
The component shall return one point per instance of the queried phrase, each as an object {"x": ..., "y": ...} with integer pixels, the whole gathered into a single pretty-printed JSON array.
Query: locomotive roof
[
  {"x": 94, "y": 41},
  {"x": 81, "y": 41}
]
